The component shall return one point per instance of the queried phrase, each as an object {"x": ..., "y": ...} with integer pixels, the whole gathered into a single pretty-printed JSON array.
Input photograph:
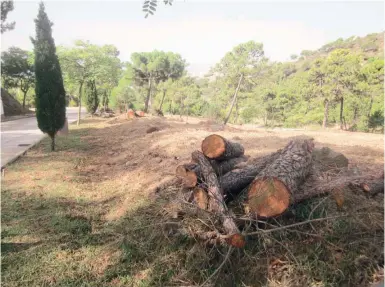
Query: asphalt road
[{"x": 18, "y": 135}]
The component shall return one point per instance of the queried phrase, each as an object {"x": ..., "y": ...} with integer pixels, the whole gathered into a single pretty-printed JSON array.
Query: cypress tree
[
  {"x": 49, "y": 88},
  {"x": 92, "y": 100}
]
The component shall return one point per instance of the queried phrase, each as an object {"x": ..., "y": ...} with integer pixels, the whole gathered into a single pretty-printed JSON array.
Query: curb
[
  {"x": 18, "y": 155},
  {"x": 23, "y": 152},
  {"x": 4, "y": 119}
]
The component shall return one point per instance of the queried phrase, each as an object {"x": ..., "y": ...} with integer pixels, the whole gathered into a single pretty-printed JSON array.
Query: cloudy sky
[{"x": 201, "y": 31}]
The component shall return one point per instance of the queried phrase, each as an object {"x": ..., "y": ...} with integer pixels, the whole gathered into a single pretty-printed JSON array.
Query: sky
[{"x": 201, "y": 31}]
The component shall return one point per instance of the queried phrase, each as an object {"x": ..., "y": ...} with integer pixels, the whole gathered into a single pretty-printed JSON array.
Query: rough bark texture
[
  {"x": 216, "y": 147},
  {"x": 315, "y": 186},
  {"x": 273, "y": 189},
  {"x": 236, "y": 180},
  {"x": 216, "y": 201}
]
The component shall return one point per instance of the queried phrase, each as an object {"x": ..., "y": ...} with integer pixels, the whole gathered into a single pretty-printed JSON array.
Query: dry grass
[{"x": 88, "y": 215}]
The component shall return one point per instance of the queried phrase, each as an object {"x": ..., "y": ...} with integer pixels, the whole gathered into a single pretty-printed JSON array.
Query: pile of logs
[
  {"x": 134, "y": 114},
  {"x": 268, "y": 185}
]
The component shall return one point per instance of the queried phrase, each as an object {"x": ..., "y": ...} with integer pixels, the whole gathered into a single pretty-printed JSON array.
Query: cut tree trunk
[
  {"x": 201, "y": 198},
  {"x": 237, "y": 180},
  {"x": 220, "y": 168},
  {"x": 217, "y": 147},
  {"x": 216, "y": 201},
  {"x": 187, "y": 174},
  {"x": 130, "y": 114},
  {"x": 273, "y": 190},
  {"x": 139, "y": 114}
]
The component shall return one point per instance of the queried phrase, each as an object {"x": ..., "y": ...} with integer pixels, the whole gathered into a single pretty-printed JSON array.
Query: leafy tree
[
  {"x": 49, "y": 87},
  {"x": 343, "y": 69},
  {"x": 92, "y": 100},
  {"x": 6, "y": 7},
  {"x": 86, "y": 62},
  {"x": 244, "y": 60},
  {"x": 17, "y": 70},
  {"x": 150, "y": 68}
]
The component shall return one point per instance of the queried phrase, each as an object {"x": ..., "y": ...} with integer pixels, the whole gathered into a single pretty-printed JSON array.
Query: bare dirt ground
[{"x": 77, "y": 217}]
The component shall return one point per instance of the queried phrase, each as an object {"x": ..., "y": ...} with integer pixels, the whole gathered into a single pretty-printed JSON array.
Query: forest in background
[{"x": 340, "y": 84}]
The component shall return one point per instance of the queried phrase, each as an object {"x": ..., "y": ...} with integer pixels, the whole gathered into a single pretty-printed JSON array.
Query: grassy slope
[{"x": 86, "y": 216}]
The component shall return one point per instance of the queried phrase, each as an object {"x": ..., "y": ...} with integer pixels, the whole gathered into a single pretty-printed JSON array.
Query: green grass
[{"x": 55, "y": 232}]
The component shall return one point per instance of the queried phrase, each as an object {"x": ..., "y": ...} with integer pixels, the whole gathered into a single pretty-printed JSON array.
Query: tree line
[{"x": 339, "y": 84}]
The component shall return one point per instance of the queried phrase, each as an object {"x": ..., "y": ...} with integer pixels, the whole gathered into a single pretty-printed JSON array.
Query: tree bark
[
  {"x": 273, "y": 190},
  {"x": 237, "y": 180},
  {"x": 161, "y": 102},
  {"x": 24, "y": 96},
  {"x": 146, "y": 104},
  {"x": 80, "y": 102},
  {"x": 326, "y": 114},
  {"x": 53, "y": 143},
  {"x": 216, "y": 199},
  {"x": 369, "y": 110},
  {"x": 216, "y": 147},
  {"x": 220, "y": 168},
  {"x": 342, "y": 113},
  {"x": 234, "y": 99}
]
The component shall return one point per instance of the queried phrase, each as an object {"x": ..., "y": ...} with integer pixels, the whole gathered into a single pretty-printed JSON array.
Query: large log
[
  {"x": 235, "y": 181},
  {"x": 273, "y": 190},
  {"x": 216, "y": 147},
  {"x": 216, "y": 200},
  {"x": 185, "y": 171}
]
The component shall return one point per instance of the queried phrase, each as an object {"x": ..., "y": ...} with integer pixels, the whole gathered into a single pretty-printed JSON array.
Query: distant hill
[{"x": 371, "y": 45}]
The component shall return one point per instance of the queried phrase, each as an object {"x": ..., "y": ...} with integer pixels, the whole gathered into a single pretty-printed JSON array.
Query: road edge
[{"x": 20, "y": 154}]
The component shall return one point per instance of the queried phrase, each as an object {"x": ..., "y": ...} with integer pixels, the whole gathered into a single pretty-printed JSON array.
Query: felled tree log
[
  {"x": 187, "y": 174},
  {"x": 139, "y": 114},
  {"x": 130, "y": 114},
  {"x": 216, "y": 201},
  {"x": 201, "y": 197},
  {"x": 273, "y": 190},
  {"x": 315, "y": 186},
  {"x": 235, "y": 181},
  {"x": 216, "y": 147},
  {"x": 220, "y": 168}
]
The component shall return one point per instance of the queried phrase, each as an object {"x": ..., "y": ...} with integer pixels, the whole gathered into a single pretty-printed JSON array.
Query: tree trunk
[
  {"x": 369, "y": 110},
  {"x": 217, "y": 147},
  {"x": 161, "y": 102},
  {"x": 146, "y": 104},
  {"x": 273, "y": 190},
  {"x": 234, "y": 181},
  {"x": 326, "y": 114},
  {"x": 24, "y": 96},
  {"x": 234, "y": 99},
  {"x": 53, "y": 143},
  {"x": 80, "y": 102},
  {"x": 342, "y": 113},
  {"x": 191, "y": 173},
  {"x": 216, "y": 199},
  {"x": 236, "y": 112}
]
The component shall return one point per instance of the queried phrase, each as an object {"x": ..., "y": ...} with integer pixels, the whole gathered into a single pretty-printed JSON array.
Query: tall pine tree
[{"x": 49, "y": 88}]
